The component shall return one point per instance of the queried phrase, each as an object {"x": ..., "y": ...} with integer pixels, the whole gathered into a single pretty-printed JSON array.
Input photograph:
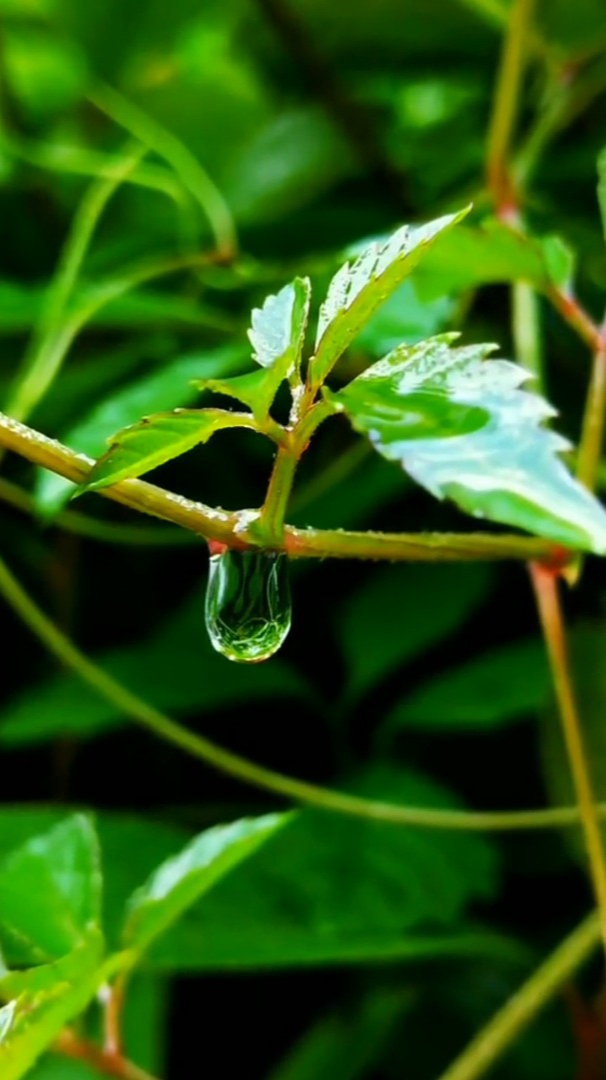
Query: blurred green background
[{"x": 287, "y": 130}]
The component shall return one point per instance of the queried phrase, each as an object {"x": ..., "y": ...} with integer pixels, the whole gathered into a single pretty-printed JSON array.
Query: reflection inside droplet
[{"x": 248, "y": 605}]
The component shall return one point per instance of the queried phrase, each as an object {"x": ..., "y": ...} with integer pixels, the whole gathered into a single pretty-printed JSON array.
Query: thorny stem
[
  {"x": 550, "y": 612},
  {"x": 229, "y": 527},
  {"x": 249, "y": 772}
]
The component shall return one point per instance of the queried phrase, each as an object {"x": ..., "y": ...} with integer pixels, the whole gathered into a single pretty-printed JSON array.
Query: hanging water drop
[{"x": 248, "y": 608}]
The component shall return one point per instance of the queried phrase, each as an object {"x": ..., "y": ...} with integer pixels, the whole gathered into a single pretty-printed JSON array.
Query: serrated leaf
[
  {"x": 256, "y": 389},
  {"x": 602, "y": 188},
  {"x": 278, "y": 328},
  {"x": 155, "y": 440},
  {"x": 178, "y": 883},
  {"x": 50, "y": 890},
  {"x": 360, "y": 287},
  {"x": 463, "y": 429}
]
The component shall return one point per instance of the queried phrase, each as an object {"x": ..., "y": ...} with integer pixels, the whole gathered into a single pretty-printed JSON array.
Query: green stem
[
  {"x": 107, "y": 1064},
  {"x": 592, "y": 434},
  {"x": 548, "y": 603},
  {"x": 247, "y": 771},
  {"x": 525, "y": 325},
  {"x": 43, "y": 360},
  {"x": 229, "y": 527},
  {"x": 271, "y": 521},
  {"x": 506, "y": 99},
  {"x": 189, "y": 170},
  {"x": 107, "y": 532},
  {"x": 521, "y": 1009}
]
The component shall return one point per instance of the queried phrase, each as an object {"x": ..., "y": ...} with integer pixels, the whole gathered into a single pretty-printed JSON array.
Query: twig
[
  {"x": 231, "y": 528},
  {"x": 521, "y": 1009},
  {"x": 108, "y": 1064},
  {"x": 505, "y": 106}
]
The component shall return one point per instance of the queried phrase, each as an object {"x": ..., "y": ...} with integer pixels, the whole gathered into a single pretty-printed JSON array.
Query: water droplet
[{"x": 248, "y": 608}]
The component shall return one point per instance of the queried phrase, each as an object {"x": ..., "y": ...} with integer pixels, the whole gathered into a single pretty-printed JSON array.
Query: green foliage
[
  {"x": 462, "y": 428},
  {"x": 269, "y": 144}
]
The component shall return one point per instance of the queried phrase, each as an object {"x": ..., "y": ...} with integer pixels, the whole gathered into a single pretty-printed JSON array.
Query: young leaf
[
  {"x": 157, "y": 439},
  {"x": 463, "y": 429},
  {"x": 256, "y": 389},
  {"x": 602, "y": 187},
  {"x": 178, "y": 883},
  {"x": 278, "y": 328},
  {"x": 360, "y": 287},
  {"x": 50, "y": 889},
  {"x": 47, "y": 1000}
]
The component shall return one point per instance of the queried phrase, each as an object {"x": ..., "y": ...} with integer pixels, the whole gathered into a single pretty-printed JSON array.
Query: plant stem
[
  {"x": 592, "y": 436},
  {"x": 509, "y": 1023},
  {"x": 548, "y": 603},
  {"x": 106, "y": 1063},
  {"x": 505, "y": 104},
  {"x": 193, "y": 176},
  {"x": 271, "y": 521},
  {"x": 247, "y": 771},
  {"x": 575, "y": 315},
  {"x": 525, "y": 325},
  {"x": 107, "y": 532},
  {"x": 42, "y": 361},
  {"x": 229, "y": 528}
]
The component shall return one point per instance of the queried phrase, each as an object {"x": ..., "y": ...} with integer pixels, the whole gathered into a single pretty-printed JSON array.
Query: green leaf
[
  {"x": 560, "y": 261},
  {"x": 155, "y": 440},
  {"x": 256, "y": 389},
  {"x": 181, "y": 881},
  {"x": 492, "y": 689},
  {"x": 399, "y": 613},
  {"x": 166, "y": 386},
  {"x": 602, "y": 188},
  {"x": 403, "y": 319},
  {"x": 345, "y": 1043},
  {"x": 278, "y": 328},
  {"x": 463, "y": 429},
  {"x": 474, "y": 255},
  {"x": 47, "y": 1000},
  {"x": 50, "y": 890},
  {"x": 175, "y": 669},
  {"x": 359, "y": 288},
  {"x": 328, "y": 889}
]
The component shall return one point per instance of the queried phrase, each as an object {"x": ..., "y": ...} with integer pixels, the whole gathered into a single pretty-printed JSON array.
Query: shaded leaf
[
  {"x": 329, "y": 889},
  {"x": 278, "y": 328},
  {"x": 360, "y": 287},
  {"x": 560, "y": 261},
  {"x": 50, "y": 889},
  {"x": 175, "y": 669},
  {"x": 400, "y": 612},
  {"x": 403, "y": 319},
  {"x": 490, "y": 690},
  {"x": 463, "y": 429},
  {"x": 181, "y": 881},
  {"x": 155, "y": 440}
]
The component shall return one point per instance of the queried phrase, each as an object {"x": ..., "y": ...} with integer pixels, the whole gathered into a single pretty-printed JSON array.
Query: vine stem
[
  {"x": 105, "y": 1062},
  {"x": 545, "y": 585},
  {"x": 592, "y": 435},
  {"x": 520, "y": 1010},
  {"x": 230, "y": 527},
  {"x": 247, "y": 771},
  {"x": 505, "y": 106}
]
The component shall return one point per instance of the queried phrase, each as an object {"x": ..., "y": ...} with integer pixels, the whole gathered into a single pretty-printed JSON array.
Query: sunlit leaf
[
  {"x": 155, "y": 440},
  {"x": 360, "y": 287},
  {"x": 178, "y": 883},
  {"x": 278, "y": 328},
  {"x": 463, "y": 429},
  {"x": 50, "y": 889}
]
